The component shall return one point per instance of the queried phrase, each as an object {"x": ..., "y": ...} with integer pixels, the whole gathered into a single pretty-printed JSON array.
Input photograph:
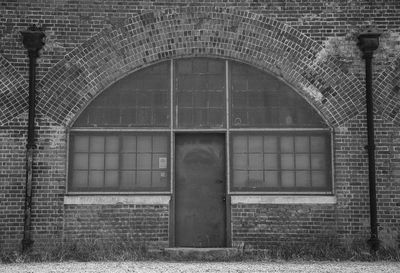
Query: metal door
[{"x": 200, "y": 190}]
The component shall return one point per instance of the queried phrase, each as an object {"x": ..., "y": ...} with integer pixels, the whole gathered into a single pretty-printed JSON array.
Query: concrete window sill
[
  {"x": 282, "y": 199},
  {"x": 116, "y": 199}
]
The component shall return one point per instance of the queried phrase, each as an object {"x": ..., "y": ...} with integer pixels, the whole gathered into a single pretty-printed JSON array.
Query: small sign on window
[{"x": 162, "y": 162}]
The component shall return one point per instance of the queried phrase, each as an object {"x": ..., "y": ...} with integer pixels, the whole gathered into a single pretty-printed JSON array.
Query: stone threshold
[{"x": 188, "y": 253}]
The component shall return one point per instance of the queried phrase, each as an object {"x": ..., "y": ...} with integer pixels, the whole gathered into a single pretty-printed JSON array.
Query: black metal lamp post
[
  {"x": 368, "y": 42},
  {"x": 33, "y": 42}
]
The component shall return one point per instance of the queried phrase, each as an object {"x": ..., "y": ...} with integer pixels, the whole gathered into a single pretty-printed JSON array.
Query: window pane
[
  {"x": 81, "y": 143},
  {"x": 262, "y": 100},
  {"x": 302, "y": 161},
  {"x": 276, "y": 161},
  {"x": 200, "y": 93},
  {"x": 255, "y": 144},
  {"x": 79, "y": 179},
  {"x": 270, "y": 144},
  {"x": 96, "y": 161},
  {"x": 143, "y": 144},
  {"x": 240, "y": 144},
  {"x": 97, "y": 144},
  {"x": 144, "y": 161},
  {"x": 240, "y": 178},
  {"x": 288, "y": 179},
  {"x": 319, "y": 179},
  {"x": 143, "y": 179},
  {"x": 116, "y": 169},
  {"x": 271, "y": 178},
  {"x": 302, "y": 144},
  {"x": 112, "y": 161},
  {"x": 240, "y": 161},
  {"x": 129, "y": 144},
  {"x": 255, "y": 179},
  {"x": 128, "y": 180},
  {"x": 111, "y": 179},
  {"x": 303, "y": 179},
  {"x": 132, "y": 101},
  {"x": 128, "y": 162},
  {"x": 112, "y": 144},
  {"x": 160, "y": 144},
  {"x": 287, "y": 145},
  {"x": 256, "y": 162},
  {"x": 270, "y": 161},
  {"x": 160, "y": 161},
  {"x": 318, "y": 144},
  {"x": 318, "y": 161},
  {"x": 287, "y": 162},
  {"x": 81, "y": 161},
  {"x": 96, "y": 179},
  {"x": 159, "y": 179}
]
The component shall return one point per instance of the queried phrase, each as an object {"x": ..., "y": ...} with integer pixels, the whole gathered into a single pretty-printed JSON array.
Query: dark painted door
[{"x": 200, "y": 190}]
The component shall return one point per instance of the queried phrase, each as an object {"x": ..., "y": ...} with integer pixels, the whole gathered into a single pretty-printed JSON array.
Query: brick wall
[
  {"x": 260, "y": 226},
  {"x": 49, "y": 181},
  {"x": 138, "y": 223},
  {"x": 12, "y": 175},
  {"x": 309, "y": 44},
  {"x": 70, "y": 23},
  {"x": 351, "y": 179}
]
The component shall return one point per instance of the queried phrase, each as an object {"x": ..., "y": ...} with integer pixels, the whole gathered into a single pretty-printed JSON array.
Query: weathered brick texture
[
  {"x": 309, "y": 44},
  {"x": 48, "y": 176},
  {"x": 351, "y": 179},
  {"x": 139, "y": 223},
  {"x": 259, "y": 226}
]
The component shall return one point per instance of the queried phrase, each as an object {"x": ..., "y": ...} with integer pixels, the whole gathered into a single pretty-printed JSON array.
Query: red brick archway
[{"x": 197, "y": 31}]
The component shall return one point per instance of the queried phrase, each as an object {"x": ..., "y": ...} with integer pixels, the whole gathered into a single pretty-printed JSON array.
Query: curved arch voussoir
[
  {"x": 198, "y": 31},
  {"x": 387, "y": 92},
  {"x": 13, "y": 92}
]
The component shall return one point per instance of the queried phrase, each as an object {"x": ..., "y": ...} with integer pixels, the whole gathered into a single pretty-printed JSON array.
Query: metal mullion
[
  {"x": 200, "y": 130},
  {"x": 227, "y": 121},
  {"x": 104, "y": 162},
  {"x": 294, "y": 160},
  {"x": 136, "y": 159},
  {"x": 299, "y": 129},
  {"x": 310, "y": 160},
  {"x": 88, "y": 159},
  {"x": 193, "y": 109},
  {"x": 279, "y": 156},
  {"x": 263, "y": 158},
  {"x": 151, "y": 162},
  {"x": 119, "y": 160},
  {"x": 133, "y": 129},
  {"x": 171, "y": 129},
  {"x": 248, "y": 157}
]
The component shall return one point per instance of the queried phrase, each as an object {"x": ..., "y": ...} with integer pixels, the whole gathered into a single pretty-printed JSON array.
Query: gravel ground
[{"x": 193, "y": 267}]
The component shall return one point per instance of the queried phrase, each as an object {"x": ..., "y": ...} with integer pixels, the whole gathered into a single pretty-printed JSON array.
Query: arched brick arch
[
  {"x": 13, "y": 92},
  {"x": 387, "y": 92},
  {"x": 198, "y": 31}
]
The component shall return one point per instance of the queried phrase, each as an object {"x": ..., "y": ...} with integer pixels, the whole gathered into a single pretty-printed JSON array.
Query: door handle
[
  {"x": 219, "y": 181},
  {"x": 223, "y": 198}
]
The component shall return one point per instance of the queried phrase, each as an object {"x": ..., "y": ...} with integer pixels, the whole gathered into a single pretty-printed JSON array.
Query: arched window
[{"x": 124, "y": 140}]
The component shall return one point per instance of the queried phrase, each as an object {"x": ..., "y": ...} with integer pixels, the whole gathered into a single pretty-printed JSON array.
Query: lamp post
[
  {"x": 368, "y": 42},
  {"x": 33, "y": 42}
]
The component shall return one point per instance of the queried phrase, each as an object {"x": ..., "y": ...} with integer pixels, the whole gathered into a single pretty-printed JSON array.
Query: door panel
[{"x": 200, "y": 190}]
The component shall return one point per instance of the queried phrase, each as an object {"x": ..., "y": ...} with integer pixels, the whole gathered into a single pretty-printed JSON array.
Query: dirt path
[{"x": 193, "y": 267}]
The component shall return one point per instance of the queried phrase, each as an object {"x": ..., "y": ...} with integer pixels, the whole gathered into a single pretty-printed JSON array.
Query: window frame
[
  {"x": 281, "y": 190},
  {"x": 120, "y": 133},
  {"x": 229, "y": 129}
]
